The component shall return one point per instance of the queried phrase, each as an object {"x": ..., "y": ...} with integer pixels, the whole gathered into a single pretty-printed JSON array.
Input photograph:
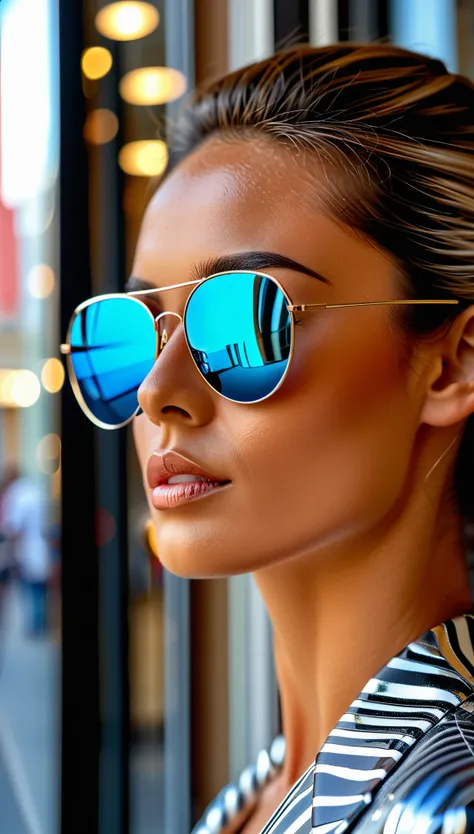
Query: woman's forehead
[
  {"x": 240, "y": 196},
  {"x": 237, "y": 175}
]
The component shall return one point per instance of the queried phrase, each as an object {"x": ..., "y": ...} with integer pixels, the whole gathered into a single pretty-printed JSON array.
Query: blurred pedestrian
[
  {"x": 25, "y": 517},
  {"x": 7, "y": 544}
]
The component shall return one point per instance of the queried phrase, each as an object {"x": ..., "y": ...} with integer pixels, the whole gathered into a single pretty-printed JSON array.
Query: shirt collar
[{"x": 412, "y": 692}]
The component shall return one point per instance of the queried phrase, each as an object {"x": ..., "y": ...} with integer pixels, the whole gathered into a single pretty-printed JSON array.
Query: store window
[
  {"x": 131, "y": 75},
  {"x": 31, "y": 377}
]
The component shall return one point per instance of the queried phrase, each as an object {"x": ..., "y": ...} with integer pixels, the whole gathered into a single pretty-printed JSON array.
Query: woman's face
[{"x": 327, "y": 456}]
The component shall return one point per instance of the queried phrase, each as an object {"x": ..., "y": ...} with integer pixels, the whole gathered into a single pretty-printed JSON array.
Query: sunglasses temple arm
[{"x": 292, "y": 308}]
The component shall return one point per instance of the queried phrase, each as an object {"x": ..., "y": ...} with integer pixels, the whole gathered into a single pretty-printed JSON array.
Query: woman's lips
[
  {"x": 162, "y": 465},
  {"x": 166, "y": 496}
]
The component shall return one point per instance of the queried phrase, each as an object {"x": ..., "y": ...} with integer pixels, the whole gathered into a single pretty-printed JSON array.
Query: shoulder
[{"x": 435, "y": 783}]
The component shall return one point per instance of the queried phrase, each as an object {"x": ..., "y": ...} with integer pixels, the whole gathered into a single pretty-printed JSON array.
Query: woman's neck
[{"x": 338, "y": 616}]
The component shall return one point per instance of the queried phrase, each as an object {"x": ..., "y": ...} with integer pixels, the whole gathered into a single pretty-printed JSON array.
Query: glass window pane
[{"x": 31, "y": 377}]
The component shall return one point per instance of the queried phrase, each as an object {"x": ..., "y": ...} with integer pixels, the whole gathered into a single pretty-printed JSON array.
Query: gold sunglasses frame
[{"x": 66, "y": 348}]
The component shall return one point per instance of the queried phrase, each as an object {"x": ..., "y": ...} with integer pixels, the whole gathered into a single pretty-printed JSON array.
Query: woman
[{"x": 332, "y": 426}]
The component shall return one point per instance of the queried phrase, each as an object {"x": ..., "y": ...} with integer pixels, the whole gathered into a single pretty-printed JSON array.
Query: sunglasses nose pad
[{"x": 165, "y": 325}]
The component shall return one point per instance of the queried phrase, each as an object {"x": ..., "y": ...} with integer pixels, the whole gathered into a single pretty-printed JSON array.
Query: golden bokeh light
[
  {"x": 56, "y": 484},
  {"x": 127, "y": 20},
  {"x": 96, "y": 62},
  {"x": 101, "y": 126},
  {"x": 40, "y": 281},
  {"x": 25, "y": 388},
  {"x": 144, "y": 158},
  {"x": 48, "y": 453},
  {"x": 6, "y": 381},
  {"x": 18, "y": 388},
  {"x": 150, "y": 539},
  {"x": 152, "y": 85},
  {"x": 52, "y": 375}
]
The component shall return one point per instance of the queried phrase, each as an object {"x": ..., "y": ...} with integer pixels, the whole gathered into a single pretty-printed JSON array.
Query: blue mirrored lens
[
  {"x": 113, "y": 345},
  {"x": 239, "y": 331}
]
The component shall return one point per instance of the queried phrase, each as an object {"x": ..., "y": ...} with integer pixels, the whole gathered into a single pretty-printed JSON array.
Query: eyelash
[{"x": 298, "y": 321}]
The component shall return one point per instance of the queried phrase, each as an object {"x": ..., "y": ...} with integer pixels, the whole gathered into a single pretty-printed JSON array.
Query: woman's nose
[{"x": 174, "y": 385}]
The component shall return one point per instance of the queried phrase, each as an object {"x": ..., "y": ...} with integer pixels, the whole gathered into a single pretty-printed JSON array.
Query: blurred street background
[{"x": 128, "y": 697}]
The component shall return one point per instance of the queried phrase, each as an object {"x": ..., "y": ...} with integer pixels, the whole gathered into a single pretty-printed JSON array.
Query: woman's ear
[{"x": 450, "y": 394}]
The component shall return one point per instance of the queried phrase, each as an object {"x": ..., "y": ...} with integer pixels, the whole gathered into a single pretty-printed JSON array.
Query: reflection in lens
[
  {"x": 112, "y": 351},
  {"x": 239, "y": 331}
]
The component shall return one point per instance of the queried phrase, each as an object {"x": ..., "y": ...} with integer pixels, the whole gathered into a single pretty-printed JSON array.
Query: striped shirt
[{"x": 399, "y": 761}]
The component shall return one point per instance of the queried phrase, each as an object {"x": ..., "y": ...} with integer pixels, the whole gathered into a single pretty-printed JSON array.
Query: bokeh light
[
  {"x": 146, "y": 158},
  {"x": 96, "y": 62},
  {"x": 127, "y": 20},
  {"x": 150, "y": 538},
  {"x": 152, "y": 85},
  {"x": 56, "y": 483},
  {"x": 101, "y": 126},
  {"x": 25, "y": 388},
  {"x": 6, "y": 380},
  {"x": 18, "y": 388},
  {"x": 48, "y": 453},
  {"x": 40, "y": 281},
  {"x": 52, "y": 375}
]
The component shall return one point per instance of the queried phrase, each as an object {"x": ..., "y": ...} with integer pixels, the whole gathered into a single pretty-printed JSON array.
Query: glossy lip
[
  {"x": 162, "y": 465},
  {"x": 168, "y": 497}
]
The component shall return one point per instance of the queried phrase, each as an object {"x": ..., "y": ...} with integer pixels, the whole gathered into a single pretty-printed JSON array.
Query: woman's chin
[
  {"x": 192, "y": 567},
  {"x": 203, "y": 562}
]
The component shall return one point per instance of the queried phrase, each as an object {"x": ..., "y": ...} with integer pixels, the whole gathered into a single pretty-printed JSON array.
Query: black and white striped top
[{"x": 400, "y": 760}]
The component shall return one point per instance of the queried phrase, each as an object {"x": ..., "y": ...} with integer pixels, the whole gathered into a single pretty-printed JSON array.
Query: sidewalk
[
  {"x": 30, "y": 742},
  {"x": 29, "y": 727}
]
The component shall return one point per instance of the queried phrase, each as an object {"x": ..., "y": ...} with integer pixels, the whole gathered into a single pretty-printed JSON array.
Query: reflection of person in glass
[
  {"x": 25, "y": 509},
  {"x": 350, "y": 485},
  {"x": 8, "y": 477}
]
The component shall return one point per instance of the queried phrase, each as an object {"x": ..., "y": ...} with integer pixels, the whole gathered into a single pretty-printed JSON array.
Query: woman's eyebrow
[
  {"x": 248, "y": 261},
  {"x": 253, "y": 260},
  {"x": 135, "y": 284}
]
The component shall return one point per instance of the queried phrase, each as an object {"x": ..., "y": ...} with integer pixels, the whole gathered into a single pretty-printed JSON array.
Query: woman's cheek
[{"x": 143, "y": 432}]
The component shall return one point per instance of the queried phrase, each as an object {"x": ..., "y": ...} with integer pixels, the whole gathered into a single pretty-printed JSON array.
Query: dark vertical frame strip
[
  {"x": 180, "y": 54},
  {"x": 80, "y": 657},
  {"x": 111, "y": 471},
  {"x": 114, "y": 802},
  {"x": 291, "y": 22},
  {"x": 363, "y": 20},
  {"x": 368, "y": 20},
  {"x": 343, "y": 17},
  {"x": 382, "y": 11}
]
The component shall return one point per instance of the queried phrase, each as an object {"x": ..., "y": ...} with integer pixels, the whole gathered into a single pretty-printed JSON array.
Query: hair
[{"x": 396, "y": 131}]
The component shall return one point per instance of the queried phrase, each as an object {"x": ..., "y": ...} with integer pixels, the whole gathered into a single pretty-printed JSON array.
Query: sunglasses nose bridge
[{"x": 162, "y": 334}]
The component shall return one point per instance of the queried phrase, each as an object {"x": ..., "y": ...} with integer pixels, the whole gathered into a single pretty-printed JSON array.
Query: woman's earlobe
[
  {"x": 450, "y": 395},
  {"x": 449, "y": 404},
  {"x": 465, "y": 346}
]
